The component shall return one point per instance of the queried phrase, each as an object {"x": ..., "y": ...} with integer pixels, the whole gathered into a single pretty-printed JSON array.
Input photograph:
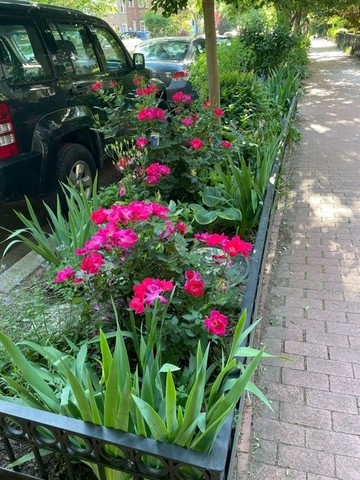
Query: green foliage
[
  {"x": 270, "y": 47},
  {"x": 160, "y": 248},
  {"x": 68, "y": 231},
  {"x": 166, "y": 140},
  {"x": 236, "y": 198},
  {"x": 98, "y": 8},
  {"x": 160, "y": 26},
  {"x": 283, "y": 84},
  {"x": 149, "y": 398}
]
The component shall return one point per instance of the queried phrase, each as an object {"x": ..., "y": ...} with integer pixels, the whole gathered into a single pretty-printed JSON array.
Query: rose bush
[
  {"x": 140, "y": 253},
  {"x": 180, "y": 146}
]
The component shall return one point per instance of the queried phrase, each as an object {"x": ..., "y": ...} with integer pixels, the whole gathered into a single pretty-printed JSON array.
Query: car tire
[{"x": 75, "y": 165}]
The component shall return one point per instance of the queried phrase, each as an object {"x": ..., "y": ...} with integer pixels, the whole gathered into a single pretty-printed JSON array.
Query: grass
[{"x": 32, "y": 311}]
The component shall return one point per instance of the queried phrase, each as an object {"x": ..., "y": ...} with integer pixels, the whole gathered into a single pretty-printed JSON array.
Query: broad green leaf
[
  {"x": 233, "y": 395},
  {"x": 215, "y": 388},
  {"x": 205, "y": 441},
  {"x": 212, "y": 197},
  {"x": 26, "y": 397},
  {"x": 204, "y": 217},
  {"x": 231, "y": 214},
  {"x": 154, "y": 421},
  {"x": 169, "y": 367},
  {"x": 29, "y": 457},
  {"x": 252, "y": 352},
  {"x": 106, "y": 357}
]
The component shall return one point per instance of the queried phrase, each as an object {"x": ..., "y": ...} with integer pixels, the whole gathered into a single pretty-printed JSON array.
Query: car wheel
[{"x": 76, "y": 166}]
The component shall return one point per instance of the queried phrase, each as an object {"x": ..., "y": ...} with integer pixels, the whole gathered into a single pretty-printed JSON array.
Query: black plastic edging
[{"x": 257, "y": 264}]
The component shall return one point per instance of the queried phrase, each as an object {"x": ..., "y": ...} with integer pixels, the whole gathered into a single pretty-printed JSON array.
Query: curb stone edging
[{"x": 17, "y": 273}]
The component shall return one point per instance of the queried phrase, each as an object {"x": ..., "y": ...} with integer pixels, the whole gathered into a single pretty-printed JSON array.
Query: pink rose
[
  {"x": 195, "y": 143},
  {"x": 92, "y": 263},
  {"x": 225, "y": 144},
  {"x": 236, "y": 246},
  {"x": 218, "y": 112},
  {"x": 216, "y": 323},
  {"x": 141, "y": 142},
  {"x": 63, "y": 275},
  {"x": 188, "y": 122},
  {"x": 95, "y": 87}
]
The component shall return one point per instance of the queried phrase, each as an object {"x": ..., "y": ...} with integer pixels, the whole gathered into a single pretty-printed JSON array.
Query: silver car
[{"x": 170, "y": 59}]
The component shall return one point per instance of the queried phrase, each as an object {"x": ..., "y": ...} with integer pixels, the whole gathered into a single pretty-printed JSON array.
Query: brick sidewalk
[{"x": 311, "y": 308}]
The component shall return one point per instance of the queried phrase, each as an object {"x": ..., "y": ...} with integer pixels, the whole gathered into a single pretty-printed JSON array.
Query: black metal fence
[
  {"x": 75, "y": 441},
  {"x": 346, "y": 40}
]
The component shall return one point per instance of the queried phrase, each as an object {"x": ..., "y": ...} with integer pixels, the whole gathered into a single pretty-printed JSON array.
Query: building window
[
  {"x": 142, "y": 3},
  {"x": 122, "y": 6},
  {"x": 124, "y": 27},
  {"x": 131, "y": 3},
  {"x": 134, "y": 26},
  {"x": 142, "y": 26}
]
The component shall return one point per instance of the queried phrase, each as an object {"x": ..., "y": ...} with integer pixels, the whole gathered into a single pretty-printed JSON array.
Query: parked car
[
  {"x": 170, "y": 59},
  {"x": 50, "y": 58},
  {"x": 132, "y": 39}
]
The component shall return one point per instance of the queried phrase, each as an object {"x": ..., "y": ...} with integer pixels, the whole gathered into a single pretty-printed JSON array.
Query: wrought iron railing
[{"x": 76, "y": 441}]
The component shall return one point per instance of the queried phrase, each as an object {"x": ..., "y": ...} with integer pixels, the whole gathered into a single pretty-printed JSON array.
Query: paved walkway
[{"x": 312, "y": 305}]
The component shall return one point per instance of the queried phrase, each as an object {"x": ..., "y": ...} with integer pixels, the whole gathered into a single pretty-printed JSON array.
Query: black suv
[{"x": 50, "y": 59}]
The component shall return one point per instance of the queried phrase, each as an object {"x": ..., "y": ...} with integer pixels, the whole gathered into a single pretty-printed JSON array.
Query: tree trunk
[
  {"x": 296, "y": 20},
  {"x": 211, "y": 51}
]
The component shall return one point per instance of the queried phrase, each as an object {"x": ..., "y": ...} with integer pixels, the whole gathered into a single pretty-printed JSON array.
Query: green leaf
[
  {"x": 233, "y": 395},
  {"x": 153, "y": 419},
  {"x": 169, "y": 367},
  {"x": 204, "y": 217},
  {"x": 231, "y": 214},
  {"x": 170, "y": 404},
  {"x": 212, "y": 197},
  {"x": 205, "y": 441},
  {"x": 80, "y": 395},
  {"x": 252, "y": 388},
  {"x": 30, "y": 374},
  {"x": 251, "y": 352}
]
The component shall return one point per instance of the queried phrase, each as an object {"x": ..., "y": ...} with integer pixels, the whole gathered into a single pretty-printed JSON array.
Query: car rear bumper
[
  {"x": 180, "y": 86},
  {"x": 20, "y": 176}
]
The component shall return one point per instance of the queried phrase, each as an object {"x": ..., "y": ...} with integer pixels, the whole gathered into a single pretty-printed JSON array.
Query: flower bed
[{"x": 118, "y": 270}]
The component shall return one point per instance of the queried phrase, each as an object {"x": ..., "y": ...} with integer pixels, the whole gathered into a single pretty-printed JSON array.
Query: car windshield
[{"x": 170, "y": 50}]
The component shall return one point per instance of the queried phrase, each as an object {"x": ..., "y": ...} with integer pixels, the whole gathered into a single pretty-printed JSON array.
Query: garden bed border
[{"x": 29, "y": 424}]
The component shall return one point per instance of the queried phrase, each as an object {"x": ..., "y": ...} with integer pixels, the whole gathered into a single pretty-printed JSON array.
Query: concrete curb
[{"x": 17, "y": 273}]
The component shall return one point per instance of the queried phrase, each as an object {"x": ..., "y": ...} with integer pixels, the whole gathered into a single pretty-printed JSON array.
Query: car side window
[
  {"x": 75, "y": 51},
  {"x": 22, "y": 56},
  {"x": 114, "y": 55}
]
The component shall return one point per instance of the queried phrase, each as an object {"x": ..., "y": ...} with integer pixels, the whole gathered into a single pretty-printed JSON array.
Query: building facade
[{"x": 130, "y": 16}]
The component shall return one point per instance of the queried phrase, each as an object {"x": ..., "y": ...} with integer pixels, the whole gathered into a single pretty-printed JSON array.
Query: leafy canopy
[{"x": 98, "y": 8}]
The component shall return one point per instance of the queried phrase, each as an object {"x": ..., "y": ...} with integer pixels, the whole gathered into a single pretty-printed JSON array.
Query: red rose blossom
[{"x": 216, "y": 323}]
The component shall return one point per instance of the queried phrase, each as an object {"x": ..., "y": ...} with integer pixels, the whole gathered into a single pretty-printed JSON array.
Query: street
[{"x": 10, "y": 221}]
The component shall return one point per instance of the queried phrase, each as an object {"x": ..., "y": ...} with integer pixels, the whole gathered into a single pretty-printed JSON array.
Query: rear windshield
[
  {"x": 22, "y": 56},
  {"x": 165, "y": 51}
]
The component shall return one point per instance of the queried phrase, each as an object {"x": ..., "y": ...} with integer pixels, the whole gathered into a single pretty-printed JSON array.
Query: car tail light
[
  {"x": 181, "y": 75},
  {"x": 8, "y": 144}
]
